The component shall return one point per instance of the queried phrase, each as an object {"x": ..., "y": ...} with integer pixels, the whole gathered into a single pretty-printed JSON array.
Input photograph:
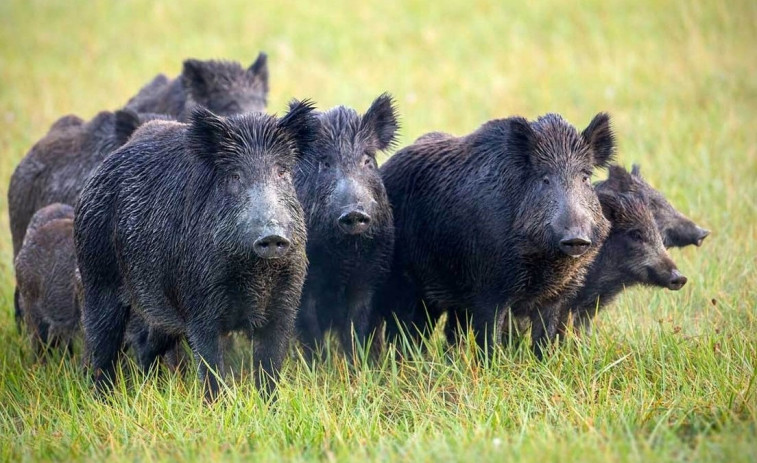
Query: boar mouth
[
  {"x": 702, "y": 235},
  {"x": 677, "y": 280},
  {"x": 354, "y": 222},
  {"x": 575, "y": 246}
]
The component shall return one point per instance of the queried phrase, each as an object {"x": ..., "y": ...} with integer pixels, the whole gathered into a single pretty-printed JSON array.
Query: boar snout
[
  {"x": 677, "y": 280},
  {"x": 574, "y": 243},
  {"x": 354, "y": 222},
  {"x": 701, "y": 235},
  {"x": 271, "y": 246}
]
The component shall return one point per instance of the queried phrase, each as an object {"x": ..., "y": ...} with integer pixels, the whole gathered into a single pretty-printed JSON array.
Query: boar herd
[{"x": 190, "y": 214}]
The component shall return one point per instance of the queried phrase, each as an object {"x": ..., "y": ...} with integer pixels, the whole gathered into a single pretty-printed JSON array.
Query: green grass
[{"x": 668, "y": 375}]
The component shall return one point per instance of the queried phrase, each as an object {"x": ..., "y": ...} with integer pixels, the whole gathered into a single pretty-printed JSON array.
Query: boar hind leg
[
  {"x": 270, "y": 344},
  {"x": 158, "y": 343},
  {"x": 582, "y": 322},
  {"x": 353, "y": 334},
  {"x": 205, "y": 342},
  {"x": 104, "y": 319},
  {"x": 309, "y": 328},
  {"x": 546, "y": 325},
  {"x": 486, "y": 324},
  {"x": 17, "y": 312}
]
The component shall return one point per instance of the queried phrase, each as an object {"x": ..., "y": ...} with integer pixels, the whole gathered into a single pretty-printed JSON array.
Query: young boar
[
  {"x": 349, "y": 222},
  {"x": 45, "y": 273},
  {"x": 506, "y": 216},
  {"x": 57, "y": 166},
  {"x": 197, "y": 228},
  {"x": 633, "y": 254},
  {"x": 676, "y": 229},
  {"x": 223, "y": 87}
]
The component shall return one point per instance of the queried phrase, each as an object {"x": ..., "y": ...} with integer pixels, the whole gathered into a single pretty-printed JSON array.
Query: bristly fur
[
  {"x": 477, "y": 227},
  {"x": 633, "y": 254},
  {"x": 44, "y": 271},
  {"x": 336, "y": 175},
  {"x": 167, "y": 227},
  {"x": 58, "y": 165},
  {"x": 223, "y": 87},
  {"x": 676, "y": 229}
]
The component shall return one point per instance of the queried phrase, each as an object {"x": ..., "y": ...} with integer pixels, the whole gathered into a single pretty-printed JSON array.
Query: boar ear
[
  {"x": 611, "y": 205},
  {"x": 521, "y": 139},
  {"x": 206, "y": 132},
  {"x": 195, "y": 77},
  {"x": 636, "y": 170},
  {"x": 598, "y": 135},
  {"x": 300, "y": 124},
  {"x": 381, "y": 120},
  {"x": 259, "y": 70},
  {"x": 125, "y": 124},
  {"x": 619, "y": 180}
]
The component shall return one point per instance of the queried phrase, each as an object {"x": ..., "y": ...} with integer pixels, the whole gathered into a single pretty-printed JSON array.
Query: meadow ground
[{"x": 667, "y": 376}]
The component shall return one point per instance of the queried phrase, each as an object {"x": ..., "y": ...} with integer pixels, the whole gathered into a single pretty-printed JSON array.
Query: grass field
[{"x": 667, "y": 376}]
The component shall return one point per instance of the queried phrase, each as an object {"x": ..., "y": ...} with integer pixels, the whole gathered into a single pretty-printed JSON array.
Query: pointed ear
[
  {"x": 636, "y": 170},
  {"x": 259, "y": 70},
  {"x": 206, "y": 132},
  {"x": 521, "y": 140},
  {"x": 301, "y": 125},
  {"x": 195, "y": 77},
  {"x": 598, "y": 135},
  {"x": 381, "y": 120},
  {"x": 619, "y": 180},
  {"x": 611, "y": 205},
  {"x": 126, "y": 122}
]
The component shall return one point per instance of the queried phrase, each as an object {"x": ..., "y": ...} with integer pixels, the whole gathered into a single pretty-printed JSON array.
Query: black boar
[
  {"x": 506, "y": 216},
  {"x": 45, "y": 270},
  {"x": 676, "y": 229},
  {"x": 633, "y": 254},
  {"x": 223, "y": 87},
  {"x": 349, "y": 222},
  {"x": 200, "y": 233},
  {"x": 57, "y": 166}
]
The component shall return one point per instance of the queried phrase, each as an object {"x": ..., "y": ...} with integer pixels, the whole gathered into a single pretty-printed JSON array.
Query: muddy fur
[
  {"x": 336, "y": 177},
  {"x": 482, "y": 222},
  {"x": 44, "y": 270},
  {"x": 176, "y": 233},
  {"x": 223, "y": 87},
  {"x": 57, "y": 166},
  {"x": 676, "y": 229}
]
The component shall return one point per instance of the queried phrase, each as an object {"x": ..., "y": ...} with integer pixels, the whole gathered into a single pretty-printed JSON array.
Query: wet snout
[
  {"x": 573, "y": 229},
  {"x": 271, "y": 245},
  {"x": 353, "y": 203},
  {"x": 677, "y": 280},
  {"x": 701, "y": 235},
  {"x": 575, "y": 243},
  {"x": 354, "y": 222}
]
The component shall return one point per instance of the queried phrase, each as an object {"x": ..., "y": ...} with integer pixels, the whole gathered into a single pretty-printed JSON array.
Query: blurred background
[{"x": 679, "y": 78}]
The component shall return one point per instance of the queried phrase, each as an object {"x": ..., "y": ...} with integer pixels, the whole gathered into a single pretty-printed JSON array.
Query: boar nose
[
  {"x": 354, "y": 222},
  {"x": 701, "y": 235},
  {"x": 677, "y": 280},
  {"x": 271, "y": 246},
  {"x": 574, "y": 244}
]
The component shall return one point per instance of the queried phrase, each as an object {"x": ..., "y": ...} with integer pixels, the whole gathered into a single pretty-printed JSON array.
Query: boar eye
[
  {"x": 545, "y": 180},
  {"x": 281, "y": 171},
  {"x": 235, "y": 177},
  {"x": 636, "y": 235},
  {"x": 326, "y": 164},
  {"x": 368, "y": 162}
]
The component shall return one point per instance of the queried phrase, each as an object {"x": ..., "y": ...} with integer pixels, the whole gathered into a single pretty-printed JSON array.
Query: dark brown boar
[{"x": 506, "y": 216}]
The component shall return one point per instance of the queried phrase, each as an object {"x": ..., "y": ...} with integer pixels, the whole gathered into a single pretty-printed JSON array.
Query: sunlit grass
[{"x": 667, "y": 376}]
